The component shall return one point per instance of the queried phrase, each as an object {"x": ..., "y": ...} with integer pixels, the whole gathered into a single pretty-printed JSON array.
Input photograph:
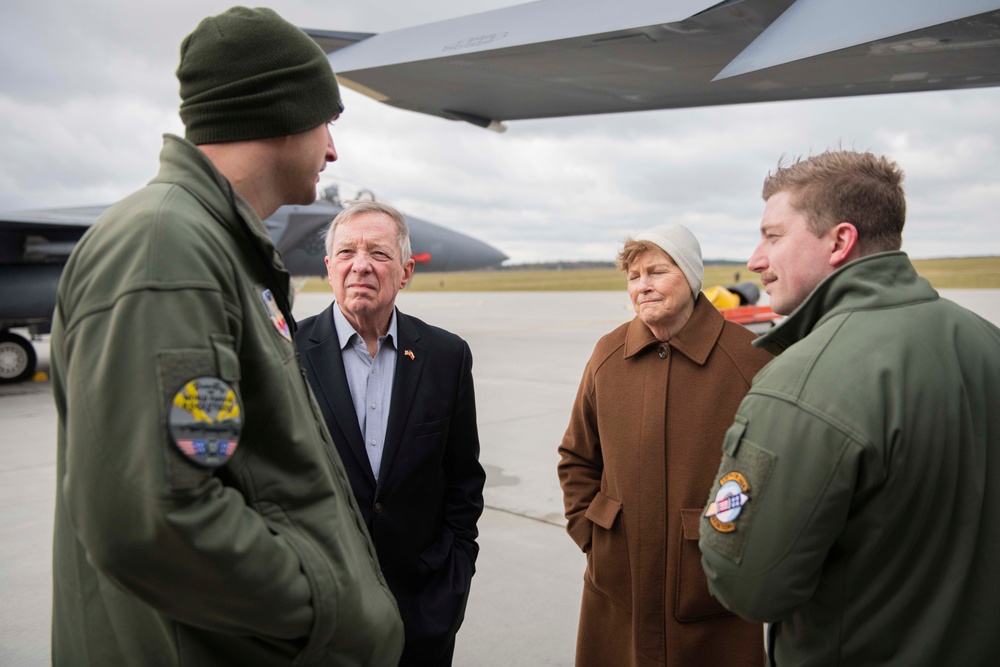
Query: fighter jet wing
[
  {"x": 573, "y": 57},
  {"x": 44, "y": 235},
  {"x": 47, "y": 236},
  {"x": 74, "y": 219}
]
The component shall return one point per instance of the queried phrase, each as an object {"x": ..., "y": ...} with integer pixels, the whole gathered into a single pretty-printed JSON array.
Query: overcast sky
[{"x": 87, "y": 89}]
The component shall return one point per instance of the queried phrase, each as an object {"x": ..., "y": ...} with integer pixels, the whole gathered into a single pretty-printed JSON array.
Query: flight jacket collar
[
  {"x": 876, "y": 281},
  {"x": 184, "y": 165}
]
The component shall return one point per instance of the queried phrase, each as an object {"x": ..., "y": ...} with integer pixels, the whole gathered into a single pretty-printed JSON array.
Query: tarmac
[{"x": 529, "y": 352}]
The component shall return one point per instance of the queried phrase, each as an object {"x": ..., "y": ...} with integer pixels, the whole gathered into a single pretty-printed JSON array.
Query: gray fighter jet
[{"x": 34, "y": 246}]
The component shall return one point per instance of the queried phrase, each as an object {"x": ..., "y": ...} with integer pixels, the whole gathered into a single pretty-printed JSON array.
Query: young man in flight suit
[
  {"x": 203, "y": 516},
  {"x": 855, "y": 506}
]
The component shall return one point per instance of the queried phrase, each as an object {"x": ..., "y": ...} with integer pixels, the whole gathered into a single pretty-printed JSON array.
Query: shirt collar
[{"x": 345, "y": 332}]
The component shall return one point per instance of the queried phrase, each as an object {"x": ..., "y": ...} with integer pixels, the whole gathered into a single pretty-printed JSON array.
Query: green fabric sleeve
[
  {"x": 800, "y": 471},
  {"x": 153, "y": 522}
]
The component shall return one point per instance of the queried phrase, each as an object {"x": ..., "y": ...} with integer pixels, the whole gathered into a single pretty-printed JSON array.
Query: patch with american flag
[{"x": 205, "y": 420}]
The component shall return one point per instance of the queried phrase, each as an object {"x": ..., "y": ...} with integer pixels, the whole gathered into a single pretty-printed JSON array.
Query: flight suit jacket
[
  {"x": 862, "y": 468},
  {"x": 158, "y": 560}
]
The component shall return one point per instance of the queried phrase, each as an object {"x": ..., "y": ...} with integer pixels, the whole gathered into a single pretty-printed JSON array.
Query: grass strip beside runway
[{"x": 954, "y": 273}]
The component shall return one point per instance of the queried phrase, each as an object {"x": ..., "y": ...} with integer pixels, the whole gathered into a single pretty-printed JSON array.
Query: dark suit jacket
[{"x": 422, "y": 513}]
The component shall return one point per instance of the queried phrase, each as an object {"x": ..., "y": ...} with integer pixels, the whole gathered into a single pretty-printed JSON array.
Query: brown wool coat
[{"x": 637, "y": 463}]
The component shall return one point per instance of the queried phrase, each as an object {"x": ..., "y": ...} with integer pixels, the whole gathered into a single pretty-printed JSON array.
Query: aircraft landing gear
[{"x": 17, "y": 358}]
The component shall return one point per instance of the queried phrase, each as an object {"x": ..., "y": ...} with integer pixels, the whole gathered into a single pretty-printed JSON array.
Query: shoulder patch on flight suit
[
  {"x": 743, "y": 472},
  {"x": 176, "y": 369},
  {"x": 204, "y": 421},
  {"x": 729, "y": 502}
]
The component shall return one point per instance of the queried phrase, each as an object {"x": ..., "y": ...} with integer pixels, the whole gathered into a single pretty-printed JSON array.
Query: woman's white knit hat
[{"x": 678, "y": 242}]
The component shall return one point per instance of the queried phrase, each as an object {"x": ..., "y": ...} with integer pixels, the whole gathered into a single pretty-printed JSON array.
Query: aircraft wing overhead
[
  {"x": 574, "y": 57},
  {"x": 331, "y": 41},
  {"x": 521, "y": 25},
  {"x": 815, "y": 27}
]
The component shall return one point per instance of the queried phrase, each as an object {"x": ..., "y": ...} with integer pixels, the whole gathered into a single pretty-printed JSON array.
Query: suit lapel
[
  {"x": 404, "y": 388},
  {"x": 328, "y": 367}
]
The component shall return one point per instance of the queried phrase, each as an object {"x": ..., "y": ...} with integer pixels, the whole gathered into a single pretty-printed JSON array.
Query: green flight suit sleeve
[
  {"x": 157, "y": 525},
  {"x": 780, "y": 500}
]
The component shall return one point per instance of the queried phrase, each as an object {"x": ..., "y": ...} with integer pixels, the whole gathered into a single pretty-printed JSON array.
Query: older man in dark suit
[{"x": 398, "y": 399}]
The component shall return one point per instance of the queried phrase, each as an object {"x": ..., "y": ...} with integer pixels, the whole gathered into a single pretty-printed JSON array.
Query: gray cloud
[{"x": 86, "y": 90}]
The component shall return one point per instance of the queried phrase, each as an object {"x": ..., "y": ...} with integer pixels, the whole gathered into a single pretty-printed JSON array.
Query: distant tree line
[{"x": 585, "y": 264}]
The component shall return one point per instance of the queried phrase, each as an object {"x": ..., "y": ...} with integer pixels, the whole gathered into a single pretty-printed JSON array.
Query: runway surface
[{"x": 529, "y": 352}]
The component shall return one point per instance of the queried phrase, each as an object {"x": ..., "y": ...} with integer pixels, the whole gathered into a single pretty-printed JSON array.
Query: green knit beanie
[{"x": 250, "y": 74}]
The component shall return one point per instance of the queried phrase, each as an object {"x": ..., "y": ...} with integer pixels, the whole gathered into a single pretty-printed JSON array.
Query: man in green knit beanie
[{"x": 203, "y": 516}]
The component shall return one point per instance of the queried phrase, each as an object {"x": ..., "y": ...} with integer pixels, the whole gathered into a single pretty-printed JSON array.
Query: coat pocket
[
  {"x": 431, "y": 428},
  {"x": 608, "y": 567},
  {"x": 694, "y": 602}
]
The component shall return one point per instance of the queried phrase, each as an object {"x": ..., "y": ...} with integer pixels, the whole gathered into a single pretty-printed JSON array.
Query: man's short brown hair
[{"x": 846, "y": 186}]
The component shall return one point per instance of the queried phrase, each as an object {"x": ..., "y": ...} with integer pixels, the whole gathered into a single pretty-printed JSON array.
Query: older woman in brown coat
[{"x": 638, "y": 458}]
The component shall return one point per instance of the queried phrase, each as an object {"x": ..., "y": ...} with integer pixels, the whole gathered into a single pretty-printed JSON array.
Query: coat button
[
  {"x": 663, "y": 352},
  {"x": 378, "y": 508}
]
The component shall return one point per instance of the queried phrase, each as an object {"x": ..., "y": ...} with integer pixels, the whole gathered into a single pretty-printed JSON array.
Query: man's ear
[
  {"x": 329, "y": 275},
  {"x": 845, "y": 244},
  {"x": 408, "y": 267}
]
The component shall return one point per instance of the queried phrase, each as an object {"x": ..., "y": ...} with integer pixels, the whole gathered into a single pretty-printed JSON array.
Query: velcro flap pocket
[
  {"x": 734, "y": 435},
  {"x": 752, "y": 467},
  {"x": 603, "y": 510},
  {"x": 226, "y": 359}
]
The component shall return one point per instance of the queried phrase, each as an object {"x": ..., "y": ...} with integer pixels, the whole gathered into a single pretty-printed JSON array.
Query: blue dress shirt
[{"x": 370, "y": 379}]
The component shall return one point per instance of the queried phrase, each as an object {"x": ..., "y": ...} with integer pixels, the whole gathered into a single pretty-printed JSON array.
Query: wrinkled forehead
[{"x": 369, "y": 228}]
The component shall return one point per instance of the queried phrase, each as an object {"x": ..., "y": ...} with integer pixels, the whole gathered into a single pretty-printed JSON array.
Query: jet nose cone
[
  {"x": 487, "y": 255},
  {"x": 449, "y": 250},
  {"x": 472, "y": 253}
]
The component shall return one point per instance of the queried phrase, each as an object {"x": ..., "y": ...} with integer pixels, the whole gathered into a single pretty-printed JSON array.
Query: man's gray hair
[{"x": 353, "y": 208}]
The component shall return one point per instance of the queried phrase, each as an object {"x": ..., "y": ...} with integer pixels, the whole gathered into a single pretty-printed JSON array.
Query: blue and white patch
[
  {"x": 204, "y": 421},
  {"x": 729, "y": 502},
  {"x": 277, "y": 317}
]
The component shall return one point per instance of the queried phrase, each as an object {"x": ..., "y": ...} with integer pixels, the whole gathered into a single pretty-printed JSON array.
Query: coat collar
[
  {"x": 695, "y": 340},
  {"x": 323, "y": 327},
  {"x": 345, "y": 331},
  {"x": 184, "y": 165},
  {"x": 876, "y": 281},
  {"x": 404, "y": 389},
  {"x": 323, "y": 354}
]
